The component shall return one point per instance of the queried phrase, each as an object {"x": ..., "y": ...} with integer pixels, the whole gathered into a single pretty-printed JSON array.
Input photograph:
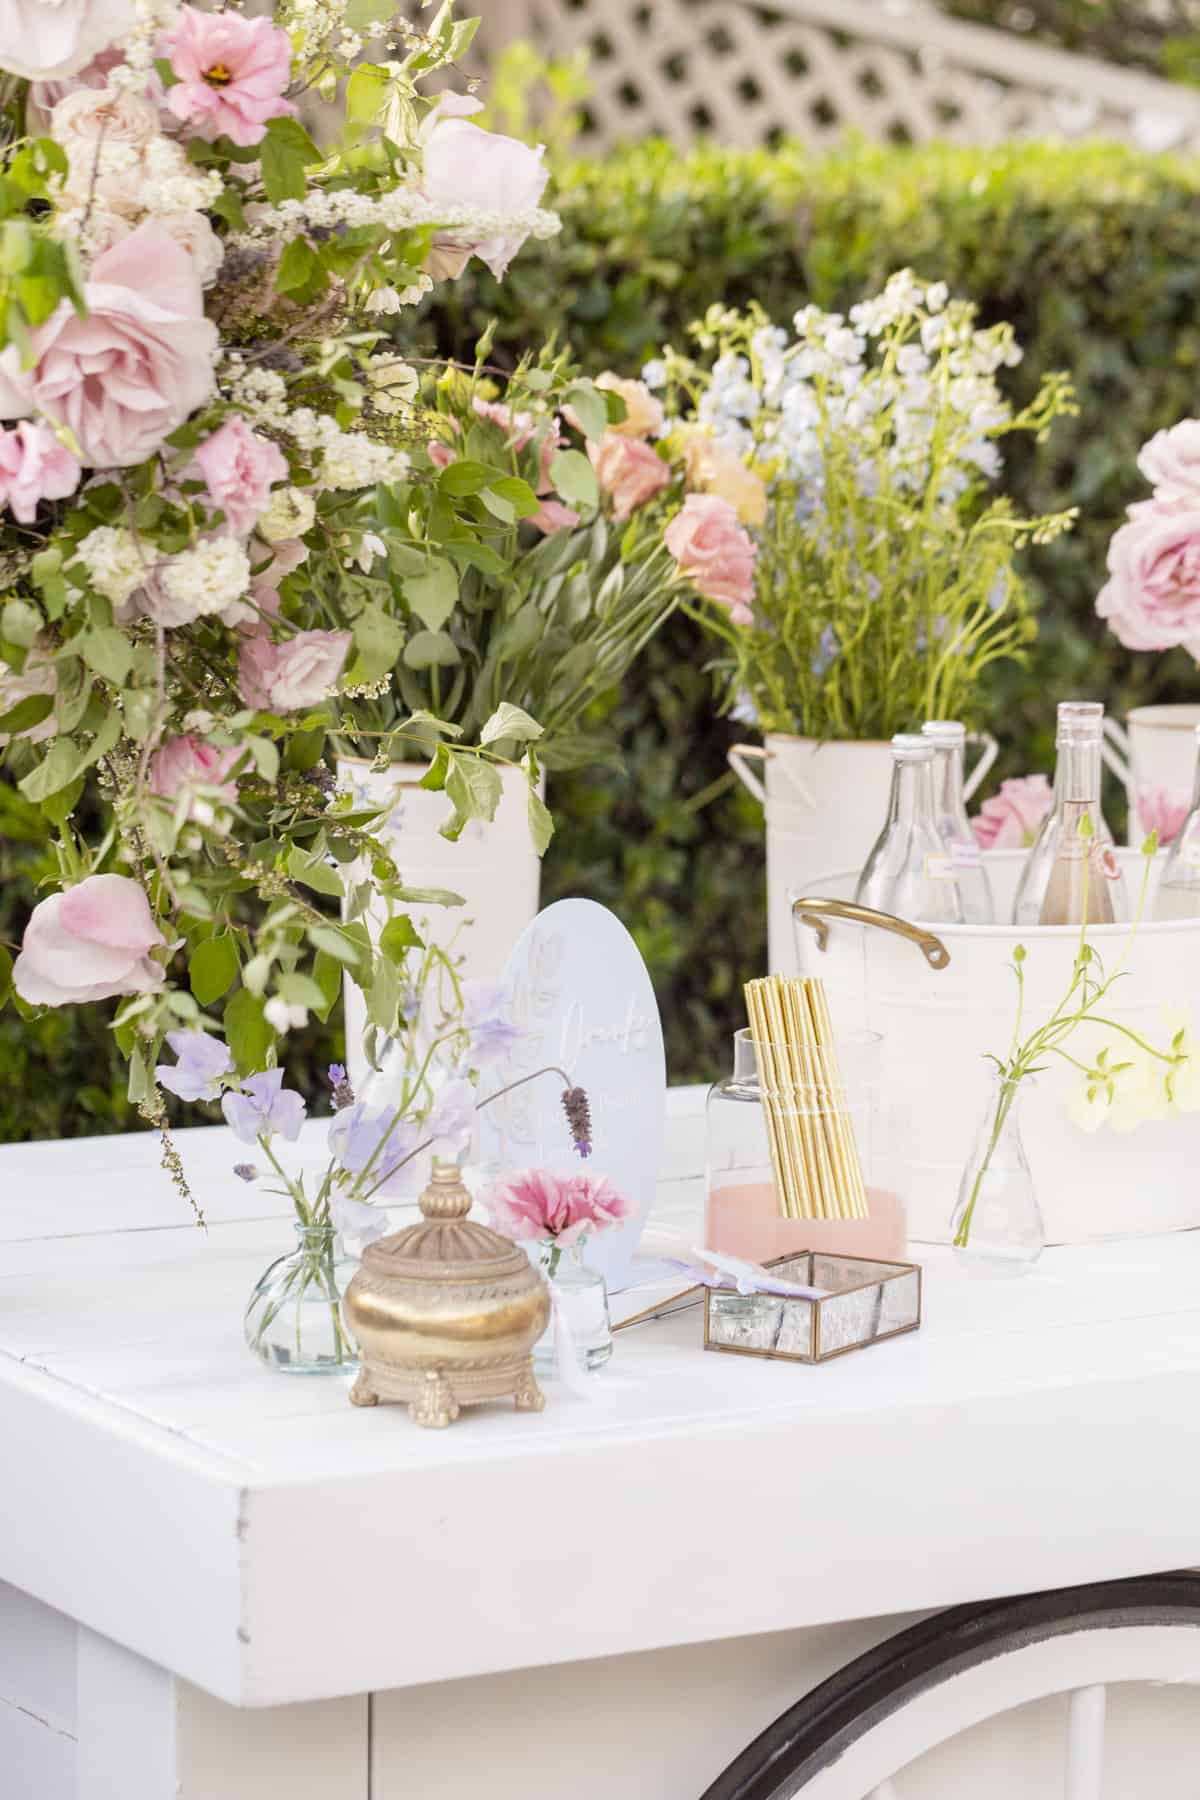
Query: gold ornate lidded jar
[{"x": 446, "y": 1312}]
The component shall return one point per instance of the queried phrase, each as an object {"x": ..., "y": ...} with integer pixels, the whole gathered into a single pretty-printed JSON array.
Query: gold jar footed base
[{"x": 446, "y": 1313}]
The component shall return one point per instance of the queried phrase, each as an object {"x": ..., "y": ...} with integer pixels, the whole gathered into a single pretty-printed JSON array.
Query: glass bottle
[
  {"x": 579, "y": 1324},
  {"x": 294, "y": 1318},
  {"x": 909, "y": 872},
  {"x": 1178, "y": 895},
  {"x": 949, "y": 739},
  {"x": 996, "y": 1227},
  {"x": 1051, "y": 888}
]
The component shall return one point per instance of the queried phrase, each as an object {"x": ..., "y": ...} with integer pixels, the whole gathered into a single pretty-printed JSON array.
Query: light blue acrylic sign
[{"x": 582, "y": 999}]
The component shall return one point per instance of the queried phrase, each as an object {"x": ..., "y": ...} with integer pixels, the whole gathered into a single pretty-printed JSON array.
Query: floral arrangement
[
  {"x": 859, "y": 453},
  {"x": 209, "y": 429},
  {"x": 1125, "y": 1081},
  {"x": 556, "y": 1211},
  {"x": 1151, "y": 600}
]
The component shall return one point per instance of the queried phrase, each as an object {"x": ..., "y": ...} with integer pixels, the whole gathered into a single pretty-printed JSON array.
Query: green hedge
[{"x": 1093, "y": 252}]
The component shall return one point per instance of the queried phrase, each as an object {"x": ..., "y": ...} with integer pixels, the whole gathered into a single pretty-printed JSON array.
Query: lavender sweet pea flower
[
  {"x": 485, "y": 1016},
  {"x": 452, "y": 1115},
  {"x": 355, "y": 1134},
  {"x": 203, "y": 1063},
  {"x": 263, "y": 1107},
  {"x": 357, "y": 1219}
]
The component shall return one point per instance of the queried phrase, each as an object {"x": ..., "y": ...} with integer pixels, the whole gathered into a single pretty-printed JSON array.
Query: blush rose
[
  {"x": 89, "y": 943},
  {"x": 1151, "y": 599},
  {"x": 1011, "y": 818},
  {"x": 239, "y": 468},
  {"x": 629, "y": 472},
  {"x": 288, "y": 677},
  {"x": 715, "y": 554}
]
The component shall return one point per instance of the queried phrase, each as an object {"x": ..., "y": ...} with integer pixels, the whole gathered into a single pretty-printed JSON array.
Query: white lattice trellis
[{"x": 814, "y": 69}]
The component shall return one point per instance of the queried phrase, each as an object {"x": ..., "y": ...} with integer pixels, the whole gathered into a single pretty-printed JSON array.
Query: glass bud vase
[
  {"x": 997, "y": 1226},
  {"x": 579, "y": 1323},
  {"x": 294, "y": 1319}
]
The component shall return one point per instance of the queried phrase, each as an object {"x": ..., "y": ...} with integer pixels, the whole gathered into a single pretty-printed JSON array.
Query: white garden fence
[{"x": 816, "y": 69}]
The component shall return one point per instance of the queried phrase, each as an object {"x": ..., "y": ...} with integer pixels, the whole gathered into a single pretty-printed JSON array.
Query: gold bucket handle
[{"x": 816, "y": 914}]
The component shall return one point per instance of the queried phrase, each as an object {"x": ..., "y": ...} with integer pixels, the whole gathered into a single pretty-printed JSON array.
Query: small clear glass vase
[
  {"x": 579, "y": 1323},
  {"x": 997, "y": 1226},
  {"x": 294, "y": 1318}
]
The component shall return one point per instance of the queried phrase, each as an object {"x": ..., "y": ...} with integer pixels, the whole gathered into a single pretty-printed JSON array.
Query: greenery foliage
[{"x": 1092, "y": 252}]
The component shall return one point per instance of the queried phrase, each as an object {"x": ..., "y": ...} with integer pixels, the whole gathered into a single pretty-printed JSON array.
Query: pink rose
[
  {"x": 715, "y": 554},
  {"x": 128, "y": 373},
  {"x": 1011, "y": 818},
  {"x": 188, "y": 762},
  {"x": 291, "y": 676},
  {"x": 483, "y": 170},
  {"x": 238, "y": 467},
  {"x": 1160, "y": 810},
  {"x": 1152, "y": 597},
  {"x": 232, "y": 72},
  {"x": 46, "y": 40},
  {"x": 1171, "y": 461},
  {"x": 553, "y": 516},
  {"x": 34, "y": 467},
  {"x": 89, "y": 943},
  {"x": 628, "y": 471},
  {"x": 44, "y": 96}
]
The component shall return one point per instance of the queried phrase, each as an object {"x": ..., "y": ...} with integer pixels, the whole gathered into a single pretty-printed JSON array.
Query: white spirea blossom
[
  {"x": 206, "y": 579},
  {"x": 290, "y": 513},
  {"x": 116, "y": 564},
  {"x": 401, "y": 209},
  {"x": 352, "y": 460}
]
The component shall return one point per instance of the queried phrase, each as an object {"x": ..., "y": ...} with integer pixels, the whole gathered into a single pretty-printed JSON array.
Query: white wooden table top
[{"x": 258, "y": 1535}]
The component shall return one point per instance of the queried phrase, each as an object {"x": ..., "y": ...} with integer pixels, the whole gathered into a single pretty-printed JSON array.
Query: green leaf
[
  {"x": 20, "y": 623},
  {"x": 265, "y": 757},
  {"x": 474, "y": 787},
  {"x": 212, "y": 968},
  {"x": 59, "y": 766},
  {"x": 383, "y": 995},
  {"x": 106, "y": 650},
  {"x": 427, "y": 649},
  {"x": 515, "y": 493},
  {"x": 509, "y": 721},
  {"x": 314, "y": 872},
  {"x": 327, "y": 973},
  {"x": 399, "y": 936},
  {"x": 6, "y": 966},
  {"x": 246, "y": 1031},
  {"x": 337, "y": 943},
  {"x": 361, "y": 15},
  {"x": 300, "y": 990},
  {"x": 378, "y": 640},
  {"x": 366, "y": 91},
  {"x": 297, "y": 266},
  {"x": 433, "y": 594},
  {"x": 541, "y": 824},
  {"x": 465, "y": 477},
  {"x": 574, "y": 477},
  {"x": 26, "y": 714},
  {"x": 434, "y": 777},
  {"x": 286, "y": 152},
  {"x": 590, "y": 409}
]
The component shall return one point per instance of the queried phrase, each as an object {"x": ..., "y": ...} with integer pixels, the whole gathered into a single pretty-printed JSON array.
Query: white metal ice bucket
[{"x": 944, "y": 996}]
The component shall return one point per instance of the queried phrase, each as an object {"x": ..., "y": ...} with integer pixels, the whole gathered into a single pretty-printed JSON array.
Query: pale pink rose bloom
[
  {"x": 1160, "y": 810},
  {"x": 465, "y": 166},
  {"x": 1152, "y": 597},
  {"x": 88, "y": 116},
  {"x": 553, "y": 516},
  {"x": 714, "y": 552},
  {"x": 232, "y": 73},
  {"x": 126, "y": 375},
  {"x": 37, "y": 677},
  {"x": 239, "y": 467},
  {"x": 1170, "y": 461},
  {"x": 47, "y": 40},
  {"x": 1011, "y": 818},
  {"x": 291, "y": 676},
  {"x": 44, "y": 96},
  {"x": 644, "y": 416},
  {"x": 188, "y": 762},
  {"x": 89, "y": 943},
  {"x": 34, "y": 467},
  {"x": 628, "y": 471},
  {"x": 193, "y": 233}
]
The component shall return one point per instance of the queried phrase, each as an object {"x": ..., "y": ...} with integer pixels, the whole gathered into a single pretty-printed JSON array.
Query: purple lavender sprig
[
  {"x": 579, "y": 1119},
  {"x": 339, "y": 1081}
]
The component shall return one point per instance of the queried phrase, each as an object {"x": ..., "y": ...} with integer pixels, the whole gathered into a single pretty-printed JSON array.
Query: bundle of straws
[{"x": 813, "y": 1152}]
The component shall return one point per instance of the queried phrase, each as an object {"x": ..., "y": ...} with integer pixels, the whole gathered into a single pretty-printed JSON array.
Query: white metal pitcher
[{"x": 1154, "y": 756}]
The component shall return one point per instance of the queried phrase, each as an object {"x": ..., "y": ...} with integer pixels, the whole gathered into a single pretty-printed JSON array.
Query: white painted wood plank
[
  {"x": 317, "y": 1752},
  {"x": 36, "y": 1761},
  {"x": 37, "y": 1660},
  {"x": 126, "y": 1724}
]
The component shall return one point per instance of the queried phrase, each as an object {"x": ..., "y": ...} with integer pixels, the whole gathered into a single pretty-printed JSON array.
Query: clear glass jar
[
  {"x": 294, "y": 1319},
  {"x": 997, "y": 1226},
  {"x": 579, "y": 1323},
  {"x": 742, "y": 1209}
]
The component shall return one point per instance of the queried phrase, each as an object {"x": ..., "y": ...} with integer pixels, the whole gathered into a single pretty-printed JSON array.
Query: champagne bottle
[
  {"x": 949, "y": 739},
  {"x": 1051, "y": 890},
  {"x": 1178, "y": 895},
  {"x": 910, "y": 872}
]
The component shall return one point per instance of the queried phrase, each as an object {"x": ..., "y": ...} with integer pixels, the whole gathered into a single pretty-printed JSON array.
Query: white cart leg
[
  {"x": 1085, "y": 1744},
  {"x": 145, "y": 1735}
]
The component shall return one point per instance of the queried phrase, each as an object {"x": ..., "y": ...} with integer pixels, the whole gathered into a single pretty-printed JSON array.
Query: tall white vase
[
  {"x": 823, "y": 802},
  {"x": 493, "y": 866}
]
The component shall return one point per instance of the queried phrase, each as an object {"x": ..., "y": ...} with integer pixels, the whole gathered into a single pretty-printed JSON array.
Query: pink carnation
[
  {"x": 231, "y": 71},
  {"x": 715, "y": 553},
  {"x": 288, "y": 677},
  {"x": 539, "y": 1204},
  {"x": 1152, "y": 596},
  {"x": 629, "y": 471},
  {"x": 34, "y": 467},
  {"x": 188, "y": 762},
  {"x": 239, "y": 467},
  {"x": 1011, "y": 818},
  {"x": 1160, "y": 810},
  {"x": 89, "y": 943}
]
